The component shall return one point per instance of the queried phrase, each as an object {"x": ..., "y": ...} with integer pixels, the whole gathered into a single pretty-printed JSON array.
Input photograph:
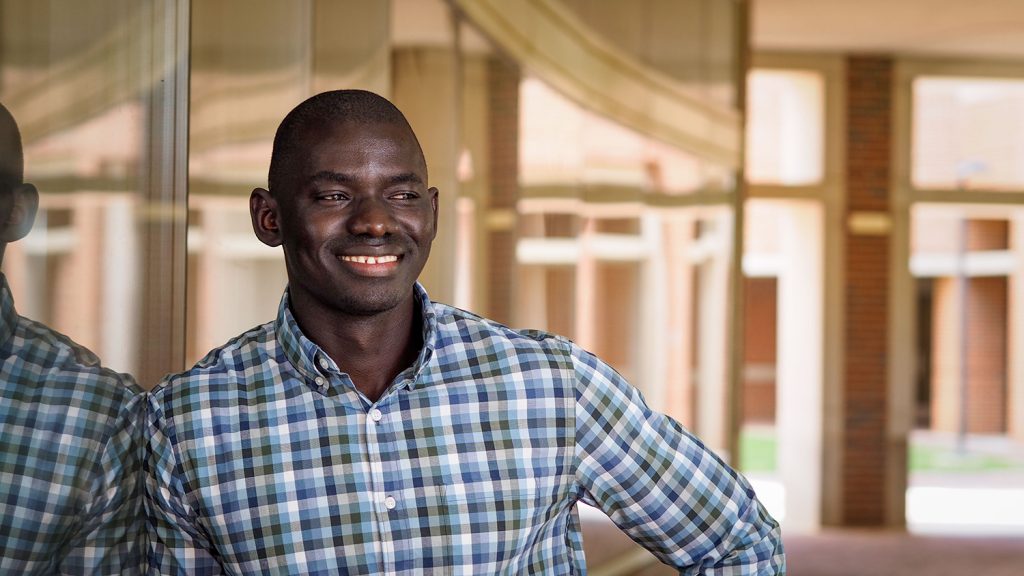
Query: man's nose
[{"x": 372, "y": 217}]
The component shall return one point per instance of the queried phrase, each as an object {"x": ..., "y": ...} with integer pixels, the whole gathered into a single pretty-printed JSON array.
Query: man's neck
[{"x": 372, "y": 350}]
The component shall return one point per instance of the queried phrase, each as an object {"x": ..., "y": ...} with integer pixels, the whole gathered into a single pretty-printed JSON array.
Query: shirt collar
[
  {"x": 305, "y": 355},
  {"x": 8, "y": 316}
]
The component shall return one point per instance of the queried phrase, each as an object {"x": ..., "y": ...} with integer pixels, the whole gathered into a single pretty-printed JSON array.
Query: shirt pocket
[
  {"x": 492, "y": 521},
  {"x": 421, "y": 532}
]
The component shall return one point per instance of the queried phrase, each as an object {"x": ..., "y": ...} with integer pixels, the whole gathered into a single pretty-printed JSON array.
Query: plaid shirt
[
  {"x": 264, "y": 458},
  {"x": 70, "y": 453}
]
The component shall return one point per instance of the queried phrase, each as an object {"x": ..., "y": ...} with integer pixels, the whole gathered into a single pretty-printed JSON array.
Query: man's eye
[
  {"x": 331, "y": 197},
  {"x": 404, "y": 196}
]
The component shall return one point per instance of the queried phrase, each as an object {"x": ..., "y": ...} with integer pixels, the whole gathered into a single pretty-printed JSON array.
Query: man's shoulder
[
  {"x": 461, "y": 327},
  {"x": 239, "y": 358},
  {"x": 49, "y": 359}
]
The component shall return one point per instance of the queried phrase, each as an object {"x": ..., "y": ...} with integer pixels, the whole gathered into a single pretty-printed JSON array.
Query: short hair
[
  {"x": 12, "y": 160},
  {"x": 341, "y": 106}
]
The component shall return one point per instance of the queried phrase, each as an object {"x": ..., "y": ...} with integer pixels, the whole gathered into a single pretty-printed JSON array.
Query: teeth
[{"x": 370, "y": 259}]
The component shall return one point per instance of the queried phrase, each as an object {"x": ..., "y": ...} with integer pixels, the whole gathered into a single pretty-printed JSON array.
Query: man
[
  {"x": 70, "y": 430},
  {"x": 368, "y": 430}
]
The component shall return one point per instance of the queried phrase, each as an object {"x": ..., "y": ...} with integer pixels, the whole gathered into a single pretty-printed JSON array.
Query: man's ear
[
  {"x": 263, "y": 211},
  {"x": 23, "y": 213},
  {"x": 433, "y": 205}
]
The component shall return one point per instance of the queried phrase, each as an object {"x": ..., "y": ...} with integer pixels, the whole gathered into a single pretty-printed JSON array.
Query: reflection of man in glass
[
  {"x": 368, "y": 430},
  {"x": 69, "y": 450}
]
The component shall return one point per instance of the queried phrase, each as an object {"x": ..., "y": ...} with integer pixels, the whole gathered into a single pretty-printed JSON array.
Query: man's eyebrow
[
  {"x": 406, "y": 178},
  {"x": 342, "y": 178},
  {"x": 329, "y": 176}
]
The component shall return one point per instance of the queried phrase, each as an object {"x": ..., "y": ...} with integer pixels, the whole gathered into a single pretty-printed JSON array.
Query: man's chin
[{"x": 368, "y": 305}]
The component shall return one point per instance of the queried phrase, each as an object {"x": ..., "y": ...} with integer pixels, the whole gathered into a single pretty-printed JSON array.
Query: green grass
[
  {"x": 758, "y": 454},
  {"x": 757, "y": 451},
  {"x": 942, "y": 459}
]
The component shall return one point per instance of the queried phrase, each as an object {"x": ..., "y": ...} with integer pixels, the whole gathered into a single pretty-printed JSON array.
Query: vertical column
[
  {"x": 503, "y": 153},
  {"x": 677, "y": 239},
  {"x": 714, "y": 416},
  {"x": 800, "y": 364},
  {"x": 865, "y": 459},
  {"x": 586, "y": 280},
  {"x": 1015, "y": 326},
  {"x": 424, "y": 83}
]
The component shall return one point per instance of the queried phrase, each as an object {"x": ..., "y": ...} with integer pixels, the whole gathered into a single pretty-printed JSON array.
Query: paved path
[{"x": 875, "y": 553}]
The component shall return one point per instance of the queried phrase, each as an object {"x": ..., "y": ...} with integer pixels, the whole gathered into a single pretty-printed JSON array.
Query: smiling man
[{"x": 369, "y": 430}]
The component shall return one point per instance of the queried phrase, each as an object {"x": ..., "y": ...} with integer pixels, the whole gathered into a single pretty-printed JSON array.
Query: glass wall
[
  {"x": 91, "y": 85},
  {"x": 147, "y": 128},
  {"x": 967, "y": 133}
]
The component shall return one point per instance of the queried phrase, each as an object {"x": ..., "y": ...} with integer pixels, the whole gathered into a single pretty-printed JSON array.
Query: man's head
[
  {"x": 18, "y": 200},
  {"x": 348, "y": 201}
]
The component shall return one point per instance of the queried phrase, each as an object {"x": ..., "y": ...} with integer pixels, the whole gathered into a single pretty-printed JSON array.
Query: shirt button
[
  {"x": 324, "y": 364},
  {"x": 376, "y": 415},
  {"x": 320, "y": 381},
  {"x": 390, "y": 503}
]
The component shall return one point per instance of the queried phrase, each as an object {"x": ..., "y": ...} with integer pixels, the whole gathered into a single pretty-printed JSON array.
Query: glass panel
[
  {"x": 785, "y": 127},
  {"x": 968, "y": 275},
  {"x": 88, "y": 84},
  {"x": 967, "y": 133},
  {"x": 565, "y": 145}
]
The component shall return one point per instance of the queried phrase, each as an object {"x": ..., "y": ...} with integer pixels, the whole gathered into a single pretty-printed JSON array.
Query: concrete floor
[
  {"x": 831, "y": 553},
  {"x": 875, "y": 553}
]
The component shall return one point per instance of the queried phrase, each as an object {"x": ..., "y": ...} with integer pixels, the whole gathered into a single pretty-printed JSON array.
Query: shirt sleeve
[
  {"x": 661, "y": 486},
  {"x": 178, "y": 544},
  {"x": 111, "y": 538}
]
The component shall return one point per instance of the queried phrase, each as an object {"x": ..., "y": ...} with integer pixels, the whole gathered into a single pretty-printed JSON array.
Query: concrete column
[
  {"x": 800, "y": 367},
  {"x": 586, "y": 280},
  {"x": 677, "y": 237},
  {"x": 712, "y": 331},
  {"x": 119, "y": 290},
  {"x": 424, "y": 85}
]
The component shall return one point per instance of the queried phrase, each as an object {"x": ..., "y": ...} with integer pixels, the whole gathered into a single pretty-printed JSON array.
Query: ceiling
[{"x": 963, "y": 28}]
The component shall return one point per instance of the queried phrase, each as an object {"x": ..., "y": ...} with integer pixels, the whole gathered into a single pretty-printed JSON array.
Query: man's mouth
[{"x": 370, "y": 259}]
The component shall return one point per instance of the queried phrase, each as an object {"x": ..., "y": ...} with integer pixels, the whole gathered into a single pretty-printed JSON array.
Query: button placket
[{"x": 373, "y": 449}]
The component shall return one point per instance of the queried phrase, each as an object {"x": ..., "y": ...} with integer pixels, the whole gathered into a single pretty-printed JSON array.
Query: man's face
[{"x": 355, "y": 217}]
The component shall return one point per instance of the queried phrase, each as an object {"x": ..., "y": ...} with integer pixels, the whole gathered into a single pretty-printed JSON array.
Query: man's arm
[
  {"x": 112, "y": 535},
  {"x": 177, "y": 544},
  {"x": 661, "y": 486}
]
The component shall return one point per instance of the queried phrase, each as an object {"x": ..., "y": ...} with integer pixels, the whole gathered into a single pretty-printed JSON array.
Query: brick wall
[
  {"x": 986, "y": 344},
  {"x": 503, "y": 127},
  {"x": 868, "y": 148},
  {"x": 759, "y": 349},
  {"x": 988, "y": 234}
]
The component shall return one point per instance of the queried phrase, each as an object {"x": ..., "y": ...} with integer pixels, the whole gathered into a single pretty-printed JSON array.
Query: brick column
[{"x": 868, "y": 147}]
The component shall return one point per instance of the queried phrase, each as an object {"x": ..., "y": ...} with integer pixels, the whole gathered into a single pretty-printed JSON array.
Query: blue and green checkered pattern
[
  {"x": 265, "y": 459},
  {"x": 70, "y": 456}
]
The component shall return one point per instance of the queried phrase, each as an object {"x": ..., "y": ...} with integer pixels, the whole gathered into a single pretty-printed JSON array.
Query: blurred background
[{"x": 796, "y": 225}]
